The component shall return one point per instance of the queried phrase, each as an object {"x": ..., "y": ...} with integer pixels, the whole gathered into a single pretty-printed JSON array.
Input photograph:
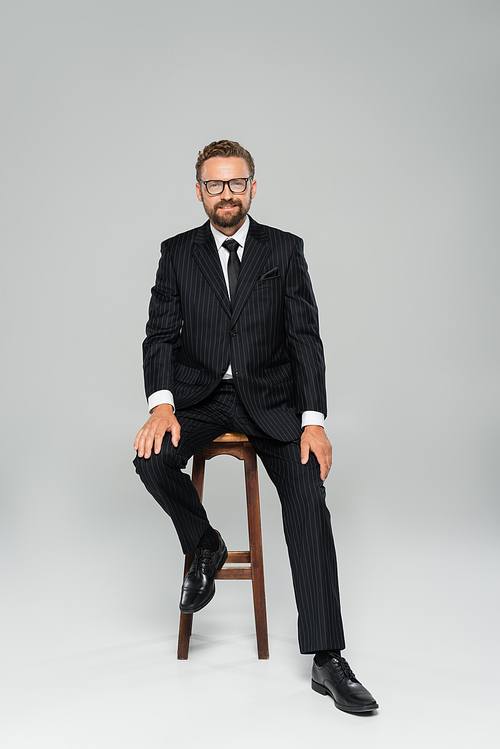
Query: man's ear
[
  {"x": 198, "y": 192},
  {"x": 253, "y": 189}
]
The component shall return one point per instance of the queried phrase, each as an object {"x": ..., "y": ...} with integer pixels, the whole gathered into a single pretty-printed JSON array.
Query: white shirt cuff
[
  {"x": 161, "y": 396},
  {"x": 310, "y": 418}
]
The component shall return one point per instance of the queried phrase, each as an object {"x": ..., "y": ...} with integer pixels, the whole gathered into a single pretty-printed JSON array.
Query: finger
[
  {"x": 139, "y": 446},
  {"x": 158, "y": 439},
  {"x": 325, "y": 470},
  {"x": 148, "y": 442},
  {"x": 175, "y": 433},
  {"x": 329, "y": 460},
  {"x": 136, "y": 441},
  {"x": 304, "y": 452},
  {"x": 321, "y": 457}
]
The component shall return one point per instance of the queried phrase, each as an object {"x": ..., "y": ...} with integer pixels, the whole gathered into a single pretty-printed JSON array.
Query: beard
[{"x": 222, "y": 218}]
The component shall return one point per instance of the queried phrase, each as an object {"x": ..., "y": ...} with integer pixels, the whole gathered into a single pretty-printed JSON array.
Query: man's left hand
[{"x": 314, "y": 440}]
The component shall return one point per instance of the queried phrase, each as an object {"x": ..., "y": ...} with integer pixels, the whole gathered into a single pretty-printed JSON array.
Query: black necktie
[{"x": 233, "y": 265}]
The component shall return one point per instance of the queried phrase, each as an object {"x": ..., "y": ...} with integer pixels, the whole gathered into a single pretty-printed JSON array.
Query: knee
[
  {"x": 306, "y": 493},
  {"x": 144, "y": 466},
  {"x": 166, "y": 459}
]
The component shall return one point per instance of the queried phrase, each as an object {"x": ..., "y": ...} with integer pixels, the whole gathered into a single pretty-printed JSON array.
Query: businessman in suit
[{"x": 232, "y": 344}]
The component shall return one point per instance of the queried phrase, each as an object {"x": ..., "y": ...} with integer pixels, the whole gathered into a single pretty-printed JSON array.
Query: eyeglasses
[{"x": 216, "y": 186}]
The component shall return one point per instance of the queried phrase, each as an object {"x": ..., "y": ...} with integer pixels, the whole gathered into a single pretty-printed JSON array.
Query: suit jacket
[{"x": 271, "y": 336}]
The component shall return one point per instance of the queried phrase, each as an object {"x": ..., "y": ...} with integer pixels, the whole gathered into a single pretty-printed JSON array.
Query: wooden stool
[{"x": 238, "y": 445}]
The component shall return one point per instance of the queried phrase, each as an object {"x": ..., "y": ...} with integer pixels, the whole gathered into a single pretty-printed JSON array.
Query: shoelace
[
  {"x": 347, "y": 670},
  {"x": 203, "y": 560}
]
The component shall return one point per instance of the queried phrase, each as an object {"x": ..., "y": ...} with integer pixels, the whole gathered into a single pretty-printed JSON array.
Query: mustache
[{"x": 233, "y": 203}]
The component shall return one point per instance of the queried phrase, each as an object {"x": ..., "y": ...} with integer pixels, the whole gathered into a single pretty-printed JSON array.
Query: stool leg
[
  {"x": 185, "y": 627},
  {"x": 186, "y": 620},
  {"x": 198, "y": 474},
  {"x": 257, "y": 562}
]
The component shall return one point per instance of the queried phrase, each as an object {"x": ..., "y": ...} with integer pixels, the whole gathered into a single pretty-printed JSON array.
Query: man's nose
[{"x": 226, "y": 193}]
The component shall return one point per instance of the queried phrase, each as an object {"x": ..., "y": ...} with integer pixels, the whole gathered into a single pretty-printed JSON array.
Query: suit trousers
[{"x": 306, "y": 518}]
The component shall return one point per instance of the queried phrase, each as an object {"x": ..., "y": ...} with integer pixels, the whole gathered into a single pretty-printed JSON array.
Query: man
[{"x": 233, "y": 345}]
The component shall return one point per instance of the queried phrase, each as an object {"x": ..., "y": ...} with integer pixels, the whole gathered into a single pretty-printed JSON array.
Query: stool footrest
[
  {"x": 238, "y": 557},
  {"x": 234, "y": 573}
]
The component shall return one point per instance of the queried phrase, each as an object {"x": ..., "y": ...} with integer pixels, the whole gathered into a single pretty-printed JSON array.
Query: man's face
[{"x": 226, "y": 211}]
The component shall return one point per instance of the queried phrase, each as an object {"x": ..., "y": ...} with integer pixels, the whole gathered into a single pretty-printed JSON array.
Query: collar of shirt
[{"x": 240, "y": 237}]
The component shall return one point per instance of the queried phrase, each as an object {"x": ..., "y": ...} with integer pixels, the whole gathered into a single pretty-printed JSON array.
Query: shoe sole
[
  {"x": 320, "y": 689},
  {"x": 219, "y": 567}
]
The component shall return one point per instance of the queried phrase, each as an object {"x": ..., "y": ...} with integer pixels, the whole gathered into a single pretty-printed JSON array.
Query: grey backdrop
[{"x": 374, "y": 126}]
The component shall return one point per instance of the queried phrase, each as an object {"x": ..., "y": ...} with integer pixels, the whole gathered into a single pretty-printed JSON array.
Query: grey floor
[{"x": 90, "y": 646}]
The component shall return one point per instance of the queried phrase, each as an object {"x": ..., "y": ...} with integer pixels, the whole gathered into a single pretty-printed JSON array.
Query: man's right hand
[{"x": 162, "y": 420}]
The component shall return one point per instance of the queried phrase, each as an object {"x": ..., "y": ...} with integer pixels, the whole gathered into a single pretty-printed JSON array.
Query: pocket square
[{"x": 273, "y": 273}]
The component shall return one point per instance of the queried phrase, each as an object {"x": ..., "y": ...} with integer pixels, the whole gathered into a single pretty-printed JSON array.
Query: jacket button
[{"x": 232, "y": 332}]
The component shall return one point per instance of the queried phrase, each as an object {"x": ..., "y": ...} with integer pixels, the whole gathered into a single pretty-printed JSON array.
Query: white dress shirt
[{"x": 166, "y": 396}]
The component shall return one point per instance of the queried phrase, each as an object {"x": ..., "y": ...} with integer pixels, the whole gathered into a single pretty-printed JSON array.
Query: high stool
[{"x": 233, "y": 443}]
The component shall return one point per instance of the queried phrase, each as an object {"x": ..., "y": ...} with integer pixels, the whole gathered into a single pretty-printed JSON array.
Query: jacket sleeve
[
  {"x": 303, "y": 340},
  {"x": 162, "y": 329}
]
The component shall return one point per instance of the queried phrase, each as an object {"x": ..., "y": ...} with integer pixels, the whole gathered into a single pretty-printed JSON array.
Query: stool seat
[
  {"x": 238, "y": 445},
  {"x": 232, "y": 437}
]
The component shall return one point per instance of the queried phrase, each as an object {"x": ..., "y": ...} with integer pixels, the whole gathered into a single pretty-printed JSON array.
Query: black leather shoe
[
  {"x": 336, "y": 679},
  {"x": 198, "y": 587}
]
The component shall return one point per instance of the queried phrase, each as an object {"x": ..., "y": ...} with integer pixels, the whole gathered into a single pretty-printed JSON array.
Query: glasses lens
[
  {"x": 237, "y": 185},
  {"x": 214, "y": 187}
]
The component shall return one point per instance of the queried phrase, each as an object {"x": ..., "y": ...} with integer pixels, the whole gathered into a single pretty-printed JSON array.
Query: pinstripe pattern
[
  {"x": 272, "y": 340},
  {"x": 306, "y": 518},
  {"x": 271, "y": 337},
  {"x": 309, "y": 538},
  {"x": 220, "y": 412}
]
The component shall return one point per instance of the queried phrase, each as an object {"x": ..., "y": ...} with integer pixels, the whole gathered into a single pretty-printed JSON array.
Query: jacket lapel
[
  {"x": 254, "y": 256},
  {"x": 205, "y": 254}
]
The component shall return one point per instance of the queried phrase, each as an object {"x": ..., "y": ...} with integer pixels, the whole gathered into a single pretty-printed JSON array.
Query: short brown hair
[{"x": 225, "y": 149}]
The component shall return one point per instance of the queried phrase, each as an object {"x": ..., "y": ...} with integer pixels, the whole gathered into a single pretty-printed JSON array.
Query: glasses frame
[{"x": 224, "y": 183}]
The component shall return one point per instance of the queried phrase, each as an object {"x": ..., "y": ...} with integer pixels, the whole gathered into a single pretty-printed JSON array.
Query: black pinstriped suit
[{"x": 271, "y": 339}]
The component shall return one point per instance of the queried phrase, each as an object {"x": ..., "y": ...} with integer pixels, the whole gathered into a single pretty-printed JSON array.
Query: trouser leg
[
  {"x": 164, "y": 478},
  {"x": 309, "y": 539},
  {"x": 163, "y": 475}
]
